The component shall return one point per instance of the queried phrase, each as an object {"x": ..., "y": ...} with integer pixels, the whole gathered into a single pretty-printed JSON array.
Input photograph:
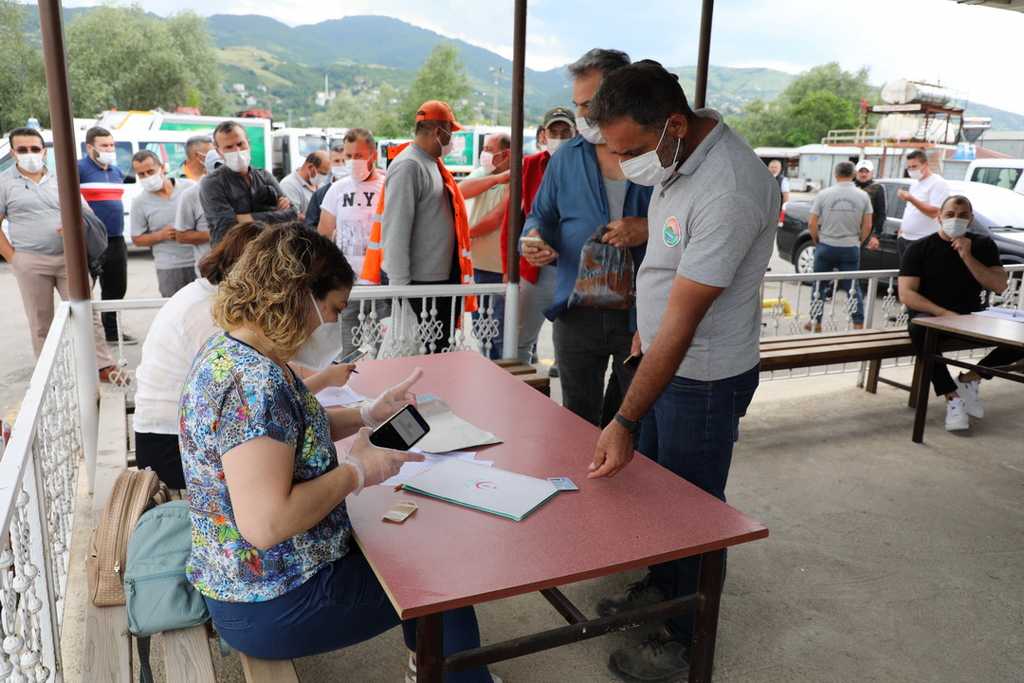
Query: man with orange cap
[{"x": 422, "y": 237}]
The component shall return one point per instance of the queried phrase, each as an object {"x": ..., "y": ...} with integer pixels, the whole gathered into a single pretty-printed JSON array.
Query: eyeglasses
[{"x": 28, "y": 150}]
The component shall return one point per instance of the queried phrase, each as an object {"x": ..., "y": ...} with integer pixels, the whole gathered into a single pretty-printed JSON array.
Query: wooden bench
[
  {"x": 268, "y": 670},
  {"x": 108, "y": 644},
  {"x": 871, "y": 346},
  {"x": 528, "y": 374}
]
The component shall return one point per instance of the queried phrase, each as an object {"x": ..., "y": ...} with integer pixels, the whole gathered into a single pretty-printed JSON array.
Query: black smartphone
[
  {"x": 354, "y": 356},
  {"x": 401, "y": 431}
]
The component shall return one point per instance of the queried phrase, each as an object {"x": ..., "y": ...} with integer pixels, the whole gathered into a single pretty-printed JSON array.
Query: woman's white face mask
[{"x": 323, "y": 346}]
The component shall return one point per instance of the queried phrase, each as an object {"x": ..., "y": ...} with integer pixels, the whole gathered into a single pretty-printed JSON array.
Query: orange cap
[{"x": 436, "y": 110}]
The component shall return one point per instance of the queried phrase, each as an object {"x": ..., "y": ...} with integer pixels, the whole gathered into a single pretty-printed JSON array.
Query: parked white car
[{"x": 1005, "y": 173}]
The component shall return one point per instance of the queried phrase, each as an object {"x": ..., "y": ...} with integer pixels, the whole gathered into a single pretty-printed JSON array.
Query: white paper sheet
[
  {"x": 411, "y": 469},
  {"x": 339, "y": 396},
  {"x": 1000, "y": 313},
  {"x": 448, "y": 431}
]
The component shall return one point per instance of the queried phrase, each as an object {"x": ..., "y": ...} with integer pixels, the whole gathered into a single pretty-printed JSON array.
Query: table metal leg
[
  {"x": 927, "y": 361},
  {"x": 709, "y": 596},
  {"x": 429, "y": 649}
]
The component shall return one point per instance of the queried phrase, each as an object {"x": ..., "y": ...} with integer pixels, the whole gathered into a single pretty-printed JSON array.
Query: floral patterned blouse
[{"x": 234, "y": 394}]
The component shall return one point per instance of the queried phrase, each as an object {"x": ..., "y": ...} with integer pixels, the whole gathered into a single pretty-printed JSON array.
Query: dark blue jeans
[
  {"x": 341, "y": 605},
  {"x": 844, "y": 259},
  {"x": 691, "y": 431},
  {"x": 487, "y": 277}
]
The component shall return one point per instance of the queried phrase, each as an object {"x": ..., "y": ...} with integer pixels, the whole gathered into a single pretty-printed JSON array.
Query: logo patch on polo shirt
[{"x": 672, "y": 233}]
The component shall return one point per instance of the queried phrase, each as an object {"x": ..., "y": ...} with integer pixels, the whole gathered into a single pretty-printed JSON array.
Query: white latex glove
[
  {"x": 372, "y": 464},
  {"x": 390, "y": 402}
]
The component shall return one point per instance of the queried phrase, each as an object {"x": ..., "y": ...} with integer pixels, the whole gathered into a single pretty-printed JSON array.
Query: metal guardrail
[
  {"x": 383, "y": 319},
  {"x": 793, "y": 304},
  {"x": 38, "y": 483}
]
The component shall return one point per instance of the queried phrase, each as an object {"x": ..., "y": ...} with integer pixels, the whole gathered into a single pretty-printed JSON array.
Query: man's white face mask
[
  {"x": 152, "y": 183},
  {"x": 955, "y": 227},
  {"x": 238, "y": 161}
]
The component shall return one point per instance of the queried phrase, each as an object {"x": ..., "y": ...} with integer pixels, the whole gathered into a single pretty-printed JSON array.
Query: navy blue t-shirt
[{"x": 103, "y": 190}]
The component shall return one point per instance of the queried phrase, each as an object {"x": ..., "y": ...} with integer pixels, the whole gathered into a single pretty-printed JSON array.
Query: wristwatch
[{"x": 632, "y": 426}]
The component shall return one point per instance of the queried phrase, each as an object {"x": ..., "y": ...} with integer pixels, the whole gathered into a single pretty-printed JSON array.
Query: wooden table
[
  {"x": 446, "y": 556},
  {"x": 977, "y": 329}
]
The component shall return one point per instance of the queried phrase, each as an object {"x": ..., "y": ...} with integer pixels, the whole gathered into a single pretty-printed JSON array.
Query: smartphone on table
[{"x": 401, "y": 431}]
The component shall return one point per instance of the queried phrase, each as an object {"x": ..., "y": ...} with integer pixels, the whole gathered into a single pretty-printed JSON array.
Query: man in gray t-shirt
[
  {"x": 153, "y": 218},
  {"x": 712, "y": 222},
  {"x": 190, "y": 222},
  {"x": 840, "y": 222}
]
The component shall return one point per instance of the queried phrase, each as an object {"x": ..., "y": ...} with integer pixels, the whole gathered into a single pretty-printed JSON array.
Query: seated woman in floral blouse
[{"x": 271, "y": 538}]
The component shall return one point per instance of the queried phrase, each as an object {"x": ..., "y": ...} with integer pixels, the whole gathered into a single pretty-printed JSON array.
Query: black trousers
[
  {"x": 443, "y": 305},
  {"x": 586, "y": 340},
  {"x": 160, "y": 452},
  {"x": 943, "y": 382},
  {"x": 113, "y": 280}
]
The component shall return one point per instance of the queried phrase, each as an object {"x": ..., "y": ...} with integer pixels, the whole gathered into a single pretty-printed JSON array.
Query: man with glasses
[{"x": 31, "y": 204}]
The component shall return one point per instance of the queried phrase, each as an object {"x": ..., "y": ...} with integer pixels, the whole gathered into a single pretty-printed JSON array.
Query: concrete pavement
[{"x": 887, "y": 560}]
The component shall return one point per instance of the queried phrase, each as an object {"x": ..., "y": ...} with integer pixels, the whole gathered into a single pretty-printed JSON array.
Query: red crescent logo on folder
[{"x": 486, "y": 485}]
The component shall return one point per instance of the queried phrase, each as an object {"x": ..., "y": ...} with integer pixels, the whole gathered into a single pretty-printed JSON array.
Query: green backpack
[{"x": 158, "y": 596}]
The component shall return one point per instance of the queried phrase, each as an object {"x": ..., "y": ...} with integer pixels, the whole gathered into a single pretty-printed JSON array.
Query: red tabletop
[{"x": 447, "y": 556}]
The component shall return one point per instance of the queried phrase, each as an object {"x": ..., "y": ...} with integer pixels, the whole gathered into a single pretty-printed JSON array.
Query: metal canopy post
[
  {"x": 703, "y": 54},
  {"x": 79, "y": 284},
  {"x": 515, "y": 185}
]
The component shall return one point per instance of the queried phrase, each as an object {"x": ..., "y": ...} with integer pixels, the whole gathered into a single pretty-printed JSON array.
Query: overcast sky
[{"x": 974, "y": 50}]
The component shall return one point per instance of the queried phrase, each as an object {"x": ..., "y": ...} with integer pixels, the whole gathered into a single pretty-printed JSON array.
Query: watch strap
[{"x": 632, "y": 426}]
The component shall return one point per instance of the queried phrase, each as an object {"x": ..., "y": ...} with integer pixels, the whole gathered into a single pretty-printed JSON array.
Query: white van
[
  {"x": 1006, "y": 173},
  {"x": 293, "y": 145}
]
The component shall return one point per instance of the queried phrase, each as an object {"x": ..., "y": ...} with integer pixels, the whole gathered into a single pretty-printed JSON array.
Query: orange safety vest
[{"x": 374, "y": 258}]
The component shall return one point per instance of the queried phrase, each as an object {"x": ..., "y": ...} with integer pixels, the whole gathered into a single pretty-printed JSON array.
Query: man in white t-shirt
[
  {"x": 346, "y": 216},
  {"x": 923, "y": 199}
]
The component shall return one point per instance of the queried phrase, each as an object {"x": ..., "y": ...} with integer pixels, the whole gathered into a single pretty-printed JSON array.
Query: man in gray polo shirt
[
  {"x": 153, "y": 221},
  {"x": 840, "y": 222},
  {"x": 30, "y": 203},
  {"x": 712, "y": 222}
]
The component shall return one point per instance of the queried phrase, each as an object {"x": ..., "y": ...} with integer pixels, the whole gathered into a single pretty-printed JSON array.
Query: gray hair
[
  {"x": 195, "y": 141},
  {"x": 599, "y": 59}
]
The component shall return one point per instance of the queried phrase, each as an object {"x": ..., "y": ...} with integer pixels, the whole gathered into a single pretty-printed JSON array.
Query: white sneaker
[
  {"x": 956, "y": 415},
  {"x": 968, "y": 391}
]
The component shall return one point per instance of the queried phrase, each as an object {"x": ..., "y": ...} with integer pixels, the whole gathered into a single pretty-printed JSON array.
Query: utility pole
[{"x": 498, "y": 72}]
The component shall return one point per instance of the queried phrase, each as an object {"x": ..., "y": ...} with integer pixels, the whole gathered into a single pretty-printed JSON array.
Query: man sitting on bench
[{"x": 944, "y": 274}]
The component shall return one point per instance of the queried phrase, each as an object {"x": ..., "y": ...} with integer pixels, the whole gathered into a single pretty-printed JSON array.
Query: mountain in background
[
  {"x": 282, "y": 67},
  {"x": 382, "y": 49}
]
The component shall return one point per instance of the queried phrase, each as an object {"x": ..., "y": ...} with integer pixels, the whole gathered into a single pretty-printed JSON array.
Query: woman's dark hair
[{"x": 216, "y": 264}]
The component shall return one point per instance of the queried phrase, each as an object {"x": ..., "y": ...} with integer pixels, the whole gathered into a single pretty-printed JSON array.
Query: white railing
[
  {"x": 38, "y": 483},
  {"x": 796, "y": 303},
  {"x": 387, "y": 321}
]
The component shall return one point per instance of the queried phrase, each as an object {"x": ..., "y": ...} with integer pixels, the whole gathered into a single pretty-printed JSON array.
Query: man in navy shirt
[
  {"x": 584, "y": 189},
  {"x": 103, "y": 187}
]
